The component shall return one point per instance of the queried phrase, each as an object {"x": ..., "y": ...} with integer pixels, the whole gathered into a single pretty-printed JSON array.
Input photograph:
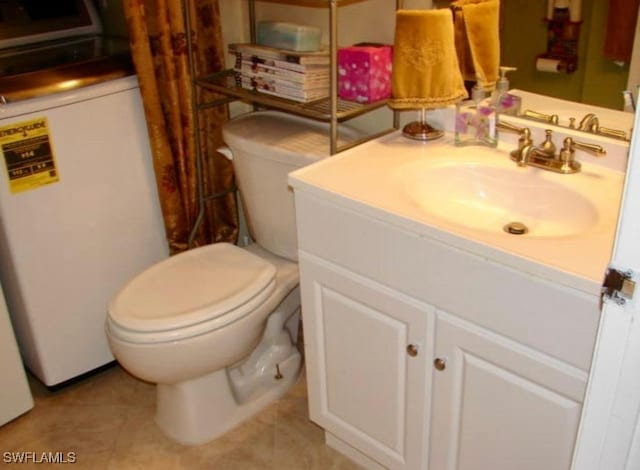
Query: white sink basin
[
  {"x": 463, "y": 197},
  {"x": 485, "y": 197}
]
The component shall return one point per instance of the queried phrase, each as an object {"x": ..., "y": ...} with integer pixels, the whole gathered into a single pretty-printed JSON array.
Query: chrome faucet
[
  {"x": 564, "y": 162},
  {"x": 544, "y": 155},
  {"x": 535, "y": 155},
  {"x": 526, "y": 150},
  {"x": 589, "y": 123}
]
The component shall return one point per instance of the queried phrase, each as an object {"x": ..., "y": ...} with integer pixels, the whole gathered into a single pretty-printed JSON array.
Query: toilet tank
[{"x": 266, "y": 146}]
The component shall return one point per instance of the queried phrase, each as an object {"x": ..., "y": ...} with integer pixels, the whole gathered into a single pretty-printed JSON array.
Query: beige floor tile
[
  {"x": 112, "y": 386},
  {"x": 89, "y": 432},
  {"x": 108, "y": 421}
]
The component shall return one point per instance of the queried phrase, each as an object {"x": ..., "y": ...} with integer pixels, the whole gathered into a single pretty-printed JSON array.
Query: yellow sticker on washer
[{"x": 28, "y": 155}]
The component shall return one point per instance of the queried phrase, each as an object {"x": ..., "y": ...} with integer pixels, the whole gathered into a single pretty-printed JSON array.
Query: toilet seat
[{"x": 191, "y": 293}]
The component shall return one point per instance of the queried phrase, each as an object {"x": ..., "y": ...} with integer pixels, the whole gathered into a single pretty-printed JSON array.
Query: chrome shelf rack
[{"x": 332, "y": 110}]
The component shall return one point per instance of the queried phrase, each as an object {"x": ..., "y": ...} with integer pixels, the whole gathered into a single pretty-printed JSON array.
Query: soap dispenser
[
  {"x": 503, "y": 101},
  {"x": 475, "y": 122}
]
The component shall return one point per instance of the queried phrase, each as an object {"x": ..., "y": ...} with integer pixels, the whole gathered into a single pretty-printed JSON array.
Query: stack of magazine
[{"x": 298, "y": 76}]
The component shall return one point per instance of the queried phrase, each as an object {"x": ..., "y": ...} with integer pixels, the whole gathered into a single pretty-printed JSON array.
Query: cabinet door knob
[
  {"x": 440, "y": 363},
  {"x": 412, "y": 350}
]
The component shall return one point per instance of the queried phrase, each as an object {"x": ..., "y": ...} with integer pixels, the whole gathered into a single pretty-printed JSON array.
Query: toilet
[{"x": 215, "y": 327}]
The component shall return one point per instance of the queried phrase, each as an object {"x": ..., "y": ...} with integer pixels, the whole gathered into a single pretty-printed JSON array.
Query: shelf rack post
[{"x": 333, "y": 46}]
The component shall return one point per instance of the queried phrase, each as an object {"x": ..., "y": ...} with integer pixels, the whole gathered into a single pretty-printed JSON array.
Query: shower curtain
[{"x": 159, "y": 51}]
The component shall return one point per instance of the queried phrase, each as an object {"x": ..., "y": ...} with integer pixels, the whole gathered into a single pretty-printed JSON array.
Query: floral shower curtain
[{"x": 159, "y": 51}]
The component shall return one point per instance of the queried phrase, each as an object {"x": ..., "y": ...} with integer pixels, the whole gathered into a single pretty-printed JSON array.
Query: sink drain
[{"x": 515, "y": 228}]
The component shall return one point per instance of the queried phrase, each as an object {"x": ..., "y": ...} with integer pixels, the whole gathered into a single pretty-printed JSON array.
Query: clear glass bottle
[
  {"x": 476, "y": 120},
  {"x": 505, "y": 102}
]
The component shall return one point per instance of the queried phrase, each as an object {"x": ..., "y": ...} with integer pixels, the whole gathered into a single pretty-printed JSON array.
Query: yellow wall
[
  {"x": 606, "y": 80},
  {"x": 597, "y": 81}
]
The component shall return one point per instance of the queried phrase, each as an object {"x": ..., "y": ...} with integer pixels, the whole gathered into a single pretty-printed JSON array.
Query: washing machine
[{"x": 79, "y": 209}]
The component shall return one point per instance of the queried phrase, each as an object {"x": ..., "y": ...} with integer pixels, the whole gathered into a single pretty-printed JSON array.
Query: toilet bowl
[
  {"x": 216, "y": 327},
  {"x": 210, "y": 366}
]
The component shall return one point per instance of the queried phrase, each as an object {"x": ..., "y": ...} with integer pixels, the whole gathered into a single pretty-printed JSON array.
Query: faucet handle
[
  {"x": 525, "y": 132},
  {"x": 548, "y": 118},
  {"x": 613, "y": 133},
  {"x": 507, "y": 126},
  {"x": 569, "y": 145}
]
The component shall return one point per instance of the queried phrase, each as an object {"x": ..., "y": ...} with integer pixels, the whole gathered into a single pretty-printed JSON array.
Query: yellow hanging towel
[
  {"x": 462, "y": 46},
  {"x": 481, "y": 23},
  {"x": 425, "y": 66}
]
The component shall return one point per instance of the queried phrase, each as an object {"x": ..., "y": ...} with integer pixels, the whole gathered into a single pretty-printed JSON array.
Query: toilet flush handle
[{"x": 226, "y": 151}]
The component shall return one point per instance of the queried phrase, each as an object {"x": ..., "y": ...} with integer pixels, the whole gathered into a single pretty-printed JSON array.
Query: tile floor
[{"x": 107, "y": 420}]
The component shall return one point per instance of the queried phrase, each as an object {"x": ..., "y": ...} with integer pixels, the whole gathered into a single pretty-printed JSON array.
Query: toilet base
[
  {"x": 202, "y": 409},
  {"x": 199, "y": 410},
  {"x": 254, "y": 374}
]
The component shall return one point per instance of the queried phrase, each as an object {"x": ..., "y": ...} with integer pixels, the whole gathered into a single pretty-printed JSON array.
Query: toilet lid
[{"x": 192, "y": 287}]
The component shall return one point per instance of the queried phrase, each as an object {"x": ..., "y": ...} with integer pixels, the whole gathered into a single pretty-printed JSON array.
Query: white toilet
[{"x": 216, "y": 327}]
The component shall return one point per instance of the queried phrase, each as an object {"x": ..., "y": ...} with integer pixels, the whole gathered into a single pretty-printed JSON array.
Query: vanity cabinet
[
  {"x": 497, "y": 405},
  {"x": 368, "y": 350},
  {"x": 417, "y": 360}
]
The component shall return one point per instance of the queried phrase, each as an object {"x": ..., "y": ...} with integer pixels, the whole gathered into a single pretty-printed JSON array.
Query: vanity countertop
[{"x": 390, "y": 179}]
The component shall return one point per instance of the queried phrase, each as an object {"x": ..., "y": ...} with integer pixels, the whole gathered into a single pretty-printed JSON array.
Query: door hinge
[{"x": 618, "y": 286}]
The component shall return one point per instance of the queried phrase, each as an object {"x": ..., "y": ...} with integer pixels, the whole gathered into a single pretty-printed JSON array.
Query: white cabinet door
[
  {"x": 498, "y": 405},
  {"x": 367, "y": 355}
]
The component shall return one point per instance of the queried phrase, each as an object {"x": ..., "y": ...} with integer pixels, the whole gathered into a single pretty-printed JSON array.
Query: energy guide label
[{"x": 28, "y": 155}]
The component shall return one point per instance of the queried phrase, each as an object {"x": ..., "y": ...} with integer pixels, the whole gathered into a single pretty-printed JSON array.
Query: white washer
[{"x": 67, "y": 247}]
